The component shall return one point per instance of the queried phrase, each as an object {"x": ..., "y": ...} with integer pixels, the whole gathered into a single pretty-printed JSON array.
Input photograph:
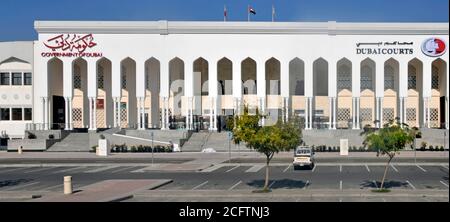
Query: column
[
  {"x": 119, "y": 113},
  {"x": 43, "y": 112},
  {"x": 353, "y": 113},
  {"x": 215, "y": 109},
  {"x": 46, "y": 114},
  {"x": 428, "y": 112},
  {"x": 400, "y": 116},
  {"x": 334, "y": 112},
  {"x": 357, "y": 113},
  {"x": 306, "y": 113},
  {"x": 330, "y": 119},
  {"x": 311, "y": 114},
  {"x": 381, "y": 112},
  {"x": 94, "y": 104},
  {"x": 167, "y": 112},
  {"x": 287, "y": 109},
  {"x": 139, "y": 112},
  {"x": 192, "y": 113},
  {"x": 143, "y": 119},
  {"x": 263, "y": 109},
  {"x": 163, "y": 113},
  {"x": 70, "y": 113},
  {"x": 114, "y": 112},
  {"x": 446, "y": 108}
]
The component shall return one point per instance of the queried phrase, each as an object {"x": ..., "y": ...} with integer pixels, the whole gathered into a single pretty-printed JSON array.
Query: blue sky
[{"x": 17, "y": 16}]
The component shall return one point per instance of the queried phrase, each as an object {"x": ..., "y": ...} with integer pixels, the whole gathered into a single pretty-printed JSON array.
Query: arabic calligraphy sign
[
  {"x": 70, "y": 45},
  {"x": 385, "y": 48}
]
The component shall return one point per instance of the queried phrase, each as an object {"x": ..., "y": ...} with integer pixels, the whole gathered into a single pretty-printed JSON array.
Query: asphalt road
[{"x": 234, "y": 177}]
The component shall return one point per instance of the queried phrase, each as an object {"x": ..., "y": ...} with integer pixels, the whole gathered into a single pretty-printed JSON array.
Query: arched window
[
  {"x": 366, "y": 78},
  {"x": 435, "y": 78},
  {"x": 388, "y": 77},
  {"x": 412, "y": 77},
  {"x": 344, "y": 78}
]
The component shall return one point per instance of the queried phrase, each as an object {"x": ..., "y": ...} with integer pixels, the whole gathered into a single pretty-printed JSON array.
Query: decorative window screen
[{"x": 412, "y": 77}]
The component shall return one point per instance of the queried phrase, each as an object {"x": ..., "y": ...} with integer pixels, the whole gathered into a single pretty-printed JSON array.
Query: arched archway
[
  {"x": 80, "y": 101},
  {"x": 391, "y": 89},
  {"x": 297, "y": 87},
  {"x": 152, "y": 91},
  {"x": 176, "y": 91},
  {"x": 105, "y": 117},
  {"x": 414, "y": 102},
  {"x": 439, "y": 83},
  {"x": 321, "y": 108},
  {"x": 128, "y": 102},
  {"x": 344, "y": 94},
  {"x": 368, "y": 86}
]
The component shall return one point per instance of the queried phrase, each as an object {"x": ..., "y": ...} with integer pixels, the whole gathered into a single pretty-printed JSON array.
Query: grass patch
[
  {"x": 384, "y": 190},
  {"x": 262, "y": 191}
]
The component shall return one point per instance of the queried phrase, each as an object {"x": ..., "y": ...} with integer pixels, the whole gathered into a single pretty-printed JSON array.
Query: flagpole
[
  {"x": 224, "y": 13},
  {"x": 273, "y": 14}
]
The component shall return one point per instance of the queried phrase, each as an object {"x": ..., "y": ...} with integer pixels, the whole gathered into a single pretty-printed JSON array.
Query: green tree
[
  {"x": 267, "y": 140},
  {"x": 389, "y": 140}
]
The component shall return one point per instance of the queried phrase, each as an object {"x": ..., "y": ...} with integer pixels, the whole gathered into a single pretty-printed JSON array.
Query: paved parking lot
[{"x": 241, "y": 177}]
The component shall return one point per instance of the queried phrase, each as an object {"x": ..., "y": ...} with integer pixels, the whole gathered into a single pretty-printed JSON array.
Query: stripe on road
[
  {"x": 200, "y": 185},
  {"x": 39, "y": 169},
  {"x": 306, "y": 184},
  {"x": 123, "y": 169},
  {"x": 374, "y": 182},
  {"x": 410, "y": 184},
  {"x": 314, "y": 168},
  {"x": 10, "y": 170},
  {"x": 446, "y": 167},
  {"x": 232, "y": 169},
  {"x": 70, "y": 169},
  {"x": 421, "y": 168},
  {"x": 271, "y": 184},
  {"x": 444, "y": 183},
  {"x": 287, "y": 168},
  {"x": 340, "y": 185},
  {"x": 211, "y": 169},
  {"x": 100, "y": 169},
  {"x": 50, "y": 188},
  {"x": 235, "y": 185},
  {"x": 255, "y": 168},
  {"x": 393, "y": 167},
  {"x": 367, "y": 167},
  {"x": 340, "y": 168},
  {"x": 20, "y": 186}
]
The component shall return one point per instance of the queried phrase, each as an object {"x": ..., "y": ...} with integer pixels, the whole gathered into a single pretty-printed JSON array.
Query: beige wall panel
[
  {"x": 274, "y": 102},
  {"x": 298, "y": 102}
]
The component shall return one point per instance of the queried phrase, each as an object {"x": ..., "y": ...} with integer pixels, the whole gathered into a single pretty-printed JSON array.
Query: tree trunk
[
  {"x": 266, "y": 183},
  {"x": 385, "y": 171}
]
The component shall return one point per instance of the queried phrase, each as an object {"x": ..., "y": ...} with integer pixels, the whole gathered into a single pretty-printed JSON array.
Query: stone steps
[{"x": 74, "y": 142}]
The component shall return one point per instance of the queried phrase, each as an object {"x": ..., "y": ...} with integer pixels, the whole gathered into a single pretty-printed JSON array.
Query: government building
[{"x": 169, "y": 75}]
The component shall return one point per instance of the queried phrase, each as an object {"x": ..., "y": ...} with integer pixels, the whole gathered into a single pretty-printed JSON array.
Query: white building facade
[{"x": 184, "y": 74}]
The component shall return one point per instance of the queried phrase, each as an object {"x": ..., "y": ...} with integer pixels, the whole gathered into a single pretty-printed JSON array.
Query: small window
[
  {"x": 27, "y": 79},
  {"x": 4, "y": 78},
  {"x": 16, "y": 113},
  {"x": 28, "y": 113},
  {"x": 16, "y": 78},
  {"x": 4, "y": 114}
]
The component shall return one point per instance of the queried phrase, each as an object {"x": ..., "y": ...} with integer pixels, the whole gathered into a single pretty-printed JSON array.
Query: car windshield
[{"x": 303, "y": 152}]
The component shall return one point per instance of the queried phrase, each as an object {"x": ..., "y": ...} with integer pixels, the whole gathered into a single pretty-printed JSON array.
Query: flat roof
[{"x": 164, "y": 27}]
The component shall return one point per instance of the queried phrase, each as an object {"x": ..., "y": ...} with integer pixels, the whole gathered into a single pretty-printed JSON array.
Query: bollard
[
  {"x": 68, "y": 185},
  {"x": 19, "y": 150}
]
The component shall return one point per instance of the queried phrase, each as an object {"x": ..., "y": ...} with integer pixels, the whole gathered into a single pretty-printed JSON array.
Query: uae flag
[{"x": 251, "y": 10}]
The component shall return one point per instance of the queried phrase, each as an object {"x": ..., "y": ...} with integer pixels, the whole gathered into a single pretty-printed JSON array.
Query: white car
[{"x": 303, "y": 156}]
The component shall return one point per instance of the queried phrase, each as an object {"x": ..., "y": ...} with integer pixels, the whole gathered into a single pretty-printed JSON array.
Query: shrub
[
  {"x": 51, "y": 136},
  {"x": 31, "y": 136},
  {"x": 441, "y": 148},
  {"x": 102, "y": 137},
  {"x": 430, "y": 148},
  {"x": 423, "y": 145},
  {"x": 133, "y": 149},
  {"x": 94, "y": 148}
]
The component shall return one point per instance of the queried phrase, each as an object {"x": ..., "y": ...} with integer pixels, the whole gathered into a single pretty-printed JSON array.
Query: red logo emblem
[
  {"x": 71, "y": 42},
  {"x": 434, "y": 47}
]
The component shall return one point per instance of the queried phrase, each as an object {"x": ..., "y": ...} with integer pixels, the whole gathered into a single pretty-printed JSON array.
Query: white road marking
[
  {"x": 444, "y": 183},
  {"x": 235, "y": 185},
  {"x": 374, "y": 182},
  {"x": 384, "y": 200},
  {"x": 211, "y": 169},
  {"x": 340, "y": 168},
  {"x": 39, "y": 169},
  {"x": 367, "y": 167},
  {"x": 306, "y": 184},
  {"x": 446, "y": 167},
  {"x": 287, "y": 168},
  {"x": 20, "y": 186},
  {"x": 122, "y": 169},
  {"x": 411, "y": 185},
  {"x": 9, "y": 170},
  {"x": 313, "y": 168},
  {"x": 254, "y": 168},
  {"x": 198, "y": 186},
  {"x": 69, "y": 169},
  {"x": 232, "y": 168},
  {"x": 340, "y": 185},
  {"x": 53, "y": 187},
  {"x": 421, "y": 168},
  {"x": 100, "y": 169},
  {"x": 393, "y": 167},
  {"x": 271, "y": 184}
]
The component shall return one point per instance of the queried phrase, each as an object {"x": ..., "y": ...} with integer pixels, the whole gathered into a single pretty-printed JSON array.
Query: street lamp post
[{"x": 229, "y": 148}]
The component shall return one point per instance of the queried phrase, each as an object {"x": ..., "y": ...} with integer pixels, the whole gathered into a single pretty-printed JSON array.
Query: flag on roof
[{"x": 251, "y": 10}]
